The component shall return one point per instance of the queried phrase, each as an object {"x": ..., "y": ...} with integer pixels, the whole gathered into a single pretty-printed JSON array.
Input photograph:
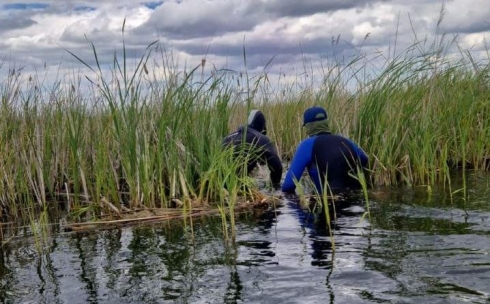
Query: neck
[{"x": 317, "y": 127}]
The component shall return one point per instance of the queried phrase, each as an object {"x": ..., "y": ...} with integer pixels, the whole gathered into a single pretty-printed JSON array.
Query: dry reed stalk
[
  {"x": 167, "y": 214},
  {"x": 182, "y": 149},
  {"x": 104, "y": 201}
]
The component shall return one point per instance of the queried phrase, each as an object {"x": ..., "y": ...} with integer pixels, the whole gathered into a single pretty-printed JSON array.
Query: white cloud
[
  {"x": 462, "y": 16},
  {"x": 287, "y": 30},
  {"x": 477, "y": 41}
]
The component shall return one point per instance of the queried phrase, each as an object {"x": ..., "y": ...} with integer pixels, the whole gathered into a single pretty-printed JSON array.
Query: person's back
[
  {"x": 325, "y": 156},
  {"x": 334, "y": 157},
  {"x": 252, "y": 142}
]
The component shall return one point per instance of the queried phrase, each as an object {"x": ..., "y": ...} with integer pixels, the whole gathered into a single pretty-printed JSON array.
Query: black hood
[{"x": 256, "y": 121}]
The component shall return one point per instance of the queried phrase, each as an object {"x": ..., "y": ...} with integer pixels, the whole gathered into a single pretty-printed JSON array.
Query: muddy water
[{"x": 417, "y": 246}]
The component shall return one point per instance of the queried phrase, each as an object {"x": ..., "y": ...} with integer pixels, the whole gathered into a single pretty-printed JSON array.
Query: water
[{"x": 415, "y": 248}]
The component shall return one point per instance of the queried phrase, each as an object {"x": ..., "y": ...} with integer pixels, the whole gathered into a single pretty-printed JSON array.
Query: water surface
[{"x": 418, "y": 245}]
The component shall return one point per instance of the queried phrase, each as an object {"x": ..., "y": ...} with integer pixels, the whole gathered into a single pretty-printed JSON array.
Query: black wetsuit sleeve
[{"x": 270, "y": 157}]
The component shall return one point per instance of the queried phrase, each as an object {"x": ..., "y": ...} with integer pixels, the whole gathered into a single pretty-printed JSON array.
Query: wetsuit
[
  {"x": 326, "y": 155},
  {"x": 258, "y": 145}
]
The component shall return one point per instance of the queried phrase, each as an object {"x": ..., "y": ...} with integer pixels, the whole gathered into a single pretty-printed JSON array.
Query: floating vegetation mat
[{"x": 116, "y": 218}]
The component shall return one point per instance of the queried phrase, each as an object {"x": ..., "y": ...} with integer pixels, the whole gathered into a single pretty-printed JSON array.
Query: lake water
[{"x": 418, "y": 246}]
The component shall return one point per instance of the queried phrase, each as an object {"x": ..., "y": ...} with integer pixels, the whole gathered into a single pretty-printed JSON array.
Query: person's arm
[
  {"x": 361, "y": 155},
  {"x": 274, "y": 164},
  {"x": 270, "y": 157},
  {"x": 301, "y": 159},
  {"x": 230, "y": 138}
]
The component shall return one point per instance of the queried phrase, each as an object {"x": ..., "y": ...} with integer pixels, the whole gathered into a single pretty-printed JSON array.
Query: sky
[{"x": 281, "y": 37}]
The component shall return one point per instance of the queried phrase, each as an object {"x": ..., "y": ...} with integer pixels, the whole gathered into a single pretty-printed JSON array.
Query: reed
[
  {"x": 144, "y": 135},
  {"x": 415, "y": 121}
]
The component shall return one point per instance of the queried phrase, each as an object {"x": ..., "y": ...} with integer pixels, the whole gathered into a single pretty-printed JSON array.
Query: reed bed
[
  {"x": 419, "y": 119},
  {"x": 149, "y": 136}
]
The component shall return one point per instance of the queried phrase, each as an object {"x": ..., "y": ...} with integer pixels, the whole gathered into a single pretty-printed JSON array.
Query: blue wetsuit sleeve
[
  {"x": 301, "y": 159},
  {"x": 361, "y": 155}
]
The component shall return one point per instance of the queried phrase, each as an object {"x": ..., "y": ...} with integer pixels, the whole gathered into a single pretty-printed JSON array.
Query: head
[
  {"x": 315, "y": 120},
  {"x": 314, "y": 114},
  {"x": 256, "y": 121}
]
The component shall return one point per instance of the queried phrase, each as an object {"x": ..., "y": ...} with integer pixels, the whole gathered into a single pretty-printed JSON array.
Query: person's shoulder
[
  {"x": 331, "y": 136},
  {"x": 232, "y": 134},
  {"x": 308, "y": 141},
  {"x": 264, "y": 139},
  {"x": 343, "y": 137},
  {"x": 311, "y": 138},
  {"x": 347, "y": 139},
  {"x": 238, "y": 133},
  {"x": 258, "y": 135}
]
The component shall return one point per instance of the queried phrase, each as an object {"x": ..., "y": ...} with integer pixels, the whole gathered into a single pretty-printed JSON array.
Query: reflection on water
[{"x": 415, "y": 248}]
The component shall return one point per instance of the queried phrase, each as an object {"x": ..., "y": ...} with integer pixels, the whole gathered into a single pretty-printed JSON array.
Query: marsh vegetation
[{"x": 148, "y": 134}]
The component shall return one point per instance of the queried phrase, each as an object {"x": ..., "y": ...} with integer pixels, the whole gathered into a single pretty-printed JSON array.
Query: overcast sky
[{"x": 37, "y": 34}]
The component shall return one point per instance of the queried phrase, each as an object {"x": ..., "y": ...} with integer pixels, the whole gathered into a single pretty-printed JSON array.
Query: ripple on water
[{"x": 405, "y": 252}]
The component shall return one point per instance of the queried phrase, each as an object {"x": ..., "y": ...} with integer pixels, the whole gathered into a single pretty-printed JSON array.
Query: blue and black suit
[{"x": 326, "y": 156}]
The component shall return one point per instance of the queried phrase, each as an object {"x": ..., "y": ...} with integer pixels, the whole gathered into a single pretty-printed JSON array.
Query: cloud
[
  {"x": 18, "y": 22},
  {"x": 197, "y": 18},
  {"x": 461, "y": 18},
  {"x": 293, "y": 8},
  {"x": 316, "y": 34},
  {"x": 290, "y": 31},
  {"x": 94, "y": 28}
]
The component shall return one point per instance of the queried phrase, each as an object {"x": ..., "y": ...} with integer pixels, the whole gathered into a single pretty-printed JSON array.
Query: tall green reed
[
  {"x": 147, "y": 133},
  {"x": 225, "y": 183}
]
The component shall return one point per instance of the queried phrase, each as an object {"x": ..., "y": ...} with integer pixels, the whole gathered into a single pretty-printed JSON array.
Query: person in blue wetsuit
[
  {"x": 325, "y": 155},
  {"x": 252, "y": 140}
]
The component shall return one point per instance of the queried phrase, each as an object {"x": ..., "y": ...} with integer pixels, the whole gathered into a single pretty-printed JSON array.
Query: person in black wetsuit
[
  {"x": 325, "y": 155},
  {"x": 257, "y": 146}
]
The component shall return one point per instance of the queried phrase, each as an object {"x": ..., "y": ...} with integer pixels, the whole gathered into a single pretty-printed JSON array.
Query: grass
[{"x": 143, "y": 138}]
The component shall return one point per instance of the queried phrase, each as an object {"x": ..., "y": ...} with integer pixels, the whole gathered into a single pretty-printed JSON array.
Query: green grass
[{"x": 142, "y": 137}]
